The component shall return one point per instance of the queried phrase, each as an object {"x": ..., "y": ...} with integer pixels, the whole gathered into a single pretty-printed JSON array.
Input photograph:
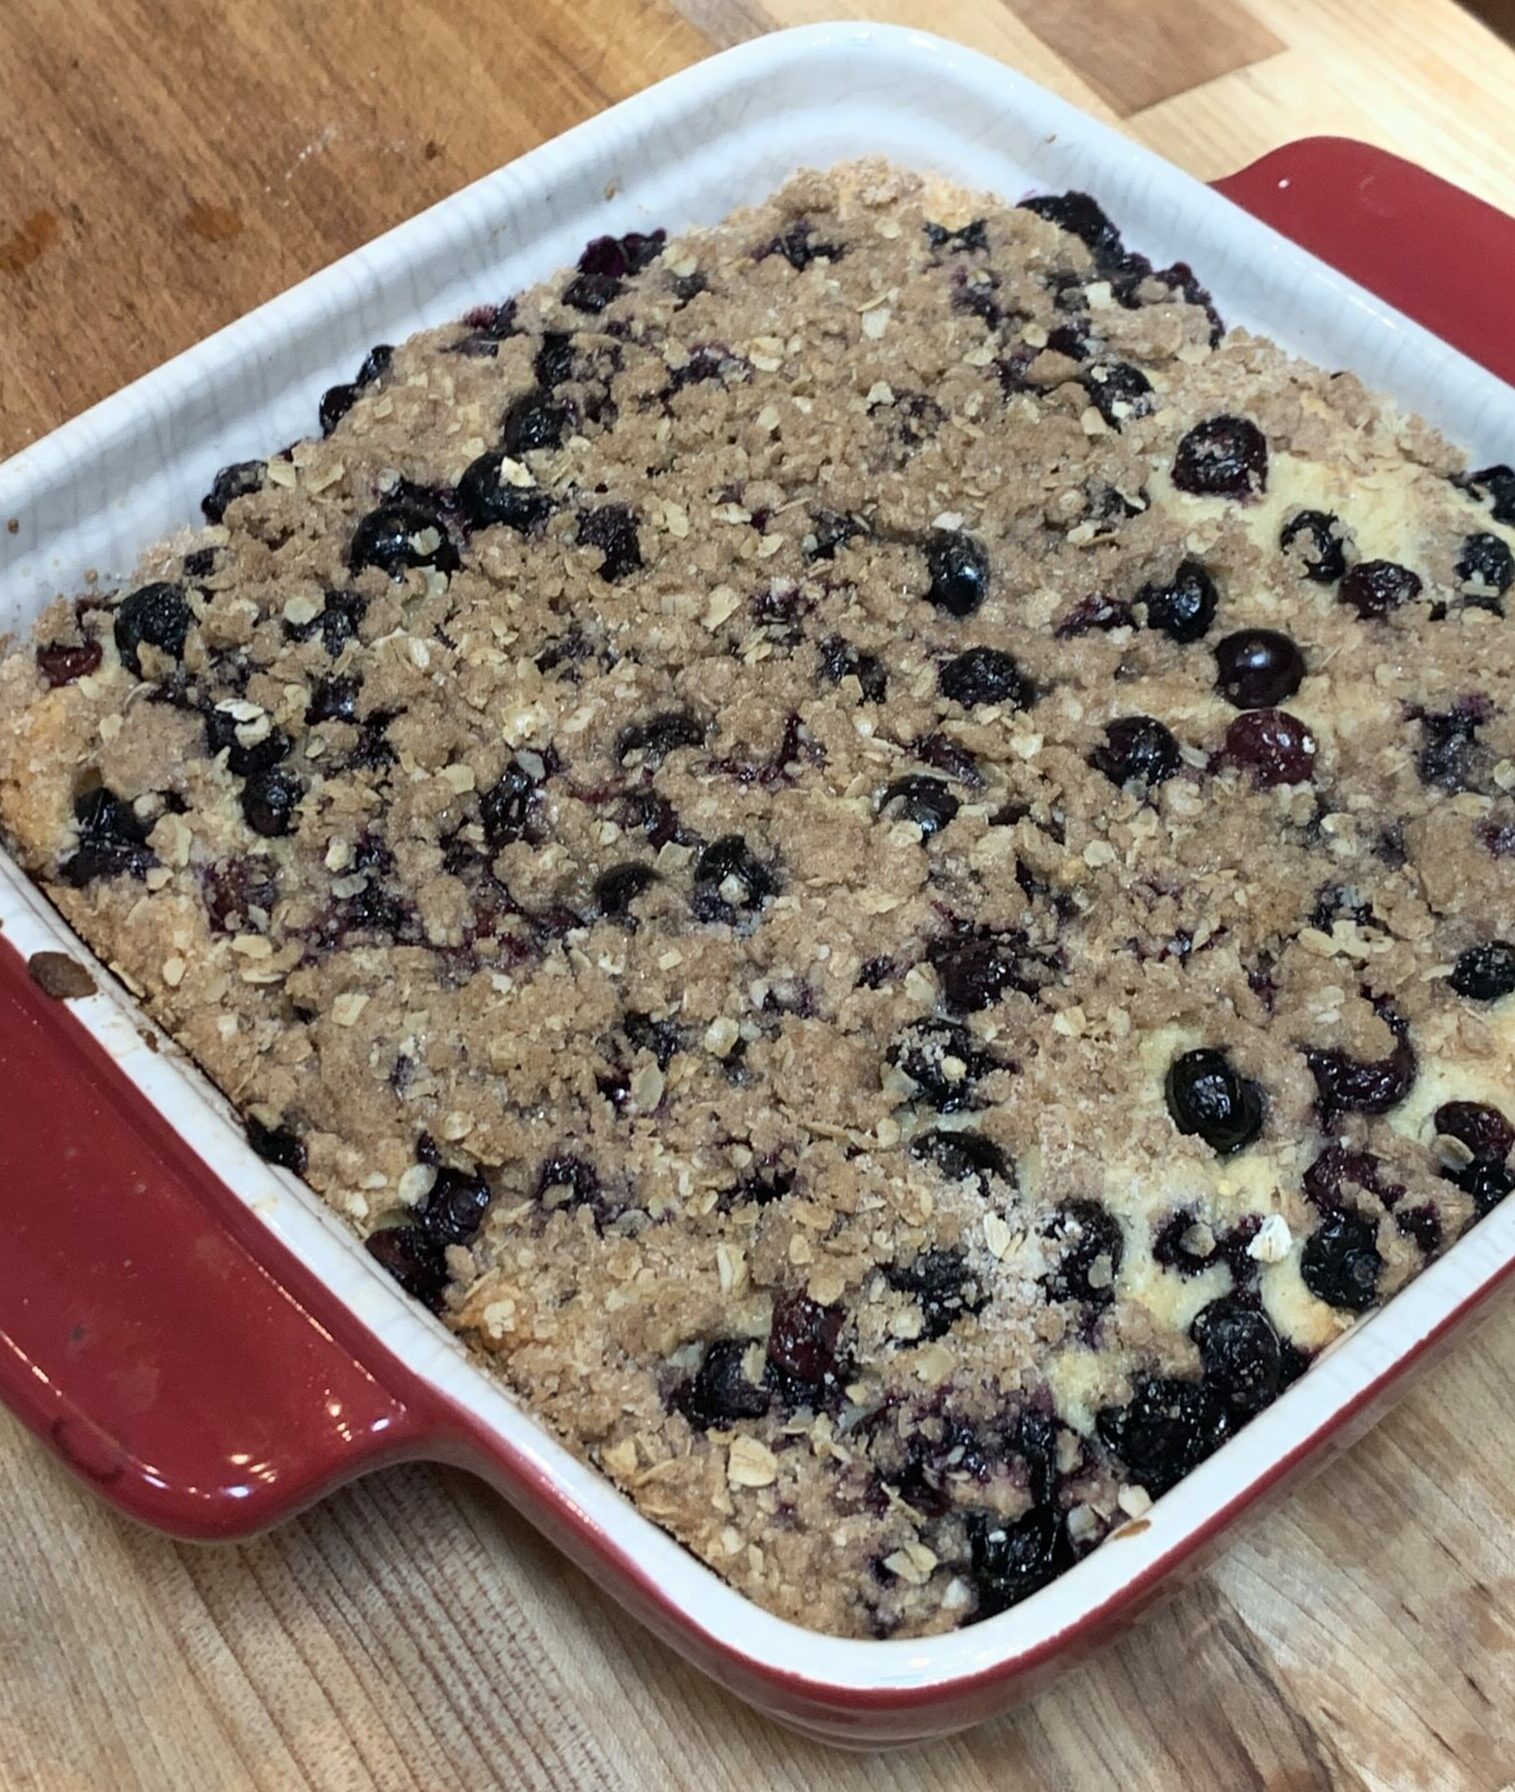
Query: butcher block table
[{"x": 164, "y": 165}]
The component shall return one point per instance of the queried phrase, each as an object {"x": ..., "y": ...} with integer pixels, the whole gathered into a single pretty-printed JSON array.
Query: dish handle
[{"x": 143, "y": 1336}]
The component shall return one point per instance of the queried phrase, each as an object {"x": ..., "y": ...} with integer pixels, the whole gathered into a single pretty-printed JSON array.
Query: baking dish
[{"x": 213, "y": 1349}]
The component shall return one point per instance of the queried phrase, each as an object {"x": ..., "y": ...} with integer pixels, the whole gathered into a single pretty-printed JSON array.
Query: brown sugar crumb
[{"x": 869, "y": 853}]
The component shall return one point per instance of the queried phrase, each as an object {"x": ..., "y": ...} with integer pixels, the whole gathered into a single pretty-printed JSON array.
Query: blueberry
[
  {"x": 1080, "y": 216},
  {"x": 1169, "y": 1428},
  {"x": 415, "y": 1259},
  {"x": 1183, "y": 608},
  {"x": 1375, "y": 587},
  {"x": 401, "y": 533},
  {"x": 1091, "y": 1261},
  {"x": 1118, "y": 392},
  {"x": 1422, "y": 1225},
  {"x": 719, "y": 1393},
  {"x": 453, "y": 1208},
  {"x": 336, "y": 402},
  {"x": 799, "y": 246},
  {"x": 239, "y": 480},
  {"x": 1012, "y": 1558},
  {"x": 840, "y": 659},
  {"x": 234, "y": 887},
  {"x": 619, "y": 257},
  {"x": 112, "y": 840},
  {"x": 725, "y": 862},
  {"x": 1498, "y": 485},
  {"x": 157, "y": 615},
  {"x": 553, "y": 362},
  {"x": 1344, "y": 1084},
  {"x": 1450, "y": 752},
  {"x": 832, "y": 530},
  {"x": 1485, "y": 973},
  {"x": 1095, "y": 614},
  {"x": 1258, "y": 668},
  {"x": 269, "y": 799},
  {"x": 925, "y": 801},
  {"x": 1275, "y": 747},
  {"x": 616, "y": 889},
  {"x": 509, "y": 806},
  {"x": 61, "y": 662},
  {"x": 244, "y": 761},
  {"x": 924, "y": 1052},
  {"x": 200, "y": 563},
  {"x": 943, "y": 1284},
  {"x": 1137, "y": 749},
  {"x": 966, "y": 237},
  {"x": 332, "y": 700},
  {"x": 1314, "y": 537},
  {"x": 961, "y": 1154},
  {"x": 949, "y": 756},
  {"x": 1225, "y": 457},
  {"x": 486, "y": 502},
  {"x": 664, "y": 1038},
  {"x": 804, "y": 1367},
  {"x": 1243, "y": 1360},
  {"x": 337, "y": 624},
  {"x": 959, "y": 570},
  {"x": 976, "y": 969},
  {"x": 1207, "y": 1097},
  {"x": 1340, "y": 1262},
  {"x": 612, "y": 529},
  {"x": 532, "y": 423},
  {"x": 572, "y": 1182},
  {"x": 1489, "y": 1136},
  {"x": 659, "y": 736},
  {"x": 985, "y": 675},
  {"x": 1486, "y": 561},
  {"x": 591, "y": 293},
  {"x": 277, "y": 1145}
]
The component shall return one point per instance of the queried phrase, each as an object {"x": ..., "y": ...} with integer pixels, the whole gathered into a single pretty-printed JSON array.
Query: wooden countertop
[{"x": 164, "y": 164}]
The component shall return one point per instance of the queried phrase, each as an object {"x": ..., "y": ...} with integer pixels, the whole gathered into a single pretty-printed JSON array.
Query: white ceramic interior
[{"x": 89, "y": 497}]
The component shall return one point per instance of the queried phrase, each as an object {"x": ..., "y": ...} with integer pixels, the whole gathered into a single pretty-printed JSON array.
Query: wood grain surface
[{"x": 164, "y": 164}]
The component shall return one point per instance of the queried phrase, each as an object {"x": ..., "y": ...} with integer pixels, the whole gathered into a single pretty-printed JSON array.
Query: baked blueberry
[
  {"x": 1450, "y": 753},
  {"x": 1258, "y": 668},
  {"x": 1375, "y": 588},
  {"x": 616, "y": 889},
  {"x": 535, "y": 421},
  {"x": 62, "y": 662},
  {"x": 976, "y": 969},
  {"x": 840, "y": 659},
  {"x": 1118, "y": 391},
  {"x": 269, "y": 800},
  {"x": 1340, "y": 1262},
  {"x": 1209, "y": 1098},
  {"x": 1485, "y": 973},
  {"x": 1345, "y": 1084},
  {"x": 1096, "y": 614},
  {"x": 1314, "y": 538},
  {"x": 1137, "y": 750},
  {"x": 1093, "y": 1248},
  {"x": 488, "y": 326},
  {"x": 804, "y": 1367},
  {"x": 235, "y": 887},
  {"x": 916, "y": 798},
  {"x": 415, "y": 1259},
  {"x": 620, "y": 257},
  {"x": 1486, "y": 561},
  {"x": 337, "y": 401},
  {"x": 1184, "y": 608},
  {"x": 985, "y": 675},
  {"x": 402, "y": 532},
  {"x": 1010, "y": 1559},
  {"x": 944, "y": 1060},
  {"x": 719, "y": 1393},
  {"x": 1497, "y": 484},
  {"x": 486, "y": 501},
  {"x": 553, "y": 362},
  {"x": 509, "y": 806},
  {"x": 112, "y": 840},
  {"x": 1080, "y": 216},
  {"x": 612, "y": 529},
  {"x": 727, "y": 877},
  {"x": 1242, "y": 1357},
  {"x": 966, "y": 238},
  {"x": 334, "y": 699},
  {"x": 960, "y": 1154},
  {"x": 591, "y": 293},
  {"x": 659, "y": 736},
  {"x": 1170, "y": 1427},
  {"x": 279, "y": 1145},
  {"x": 959, "y": 570},
  {"x": 566, "y": 1180},
  {"x": 1224, "y": 457},
  {"x": 944, "y": 1286},
  {"x": 799, "y": 246},
  {"x": 239, "y": 480},
  {"x": 1273, "y": 746},
  {"x": 663, "y": 1037},
  {"x": 1485, "y": 1133},
  {"x": 260, "y": 755},
  {"x": 453, "y": 1209},
  {"x": 156, "y": 615}
]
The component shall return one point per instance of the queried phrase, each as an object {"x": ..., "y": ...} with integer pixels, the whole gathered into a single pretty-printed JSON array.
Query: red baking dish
[{"x": 192, "y": 1333}]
